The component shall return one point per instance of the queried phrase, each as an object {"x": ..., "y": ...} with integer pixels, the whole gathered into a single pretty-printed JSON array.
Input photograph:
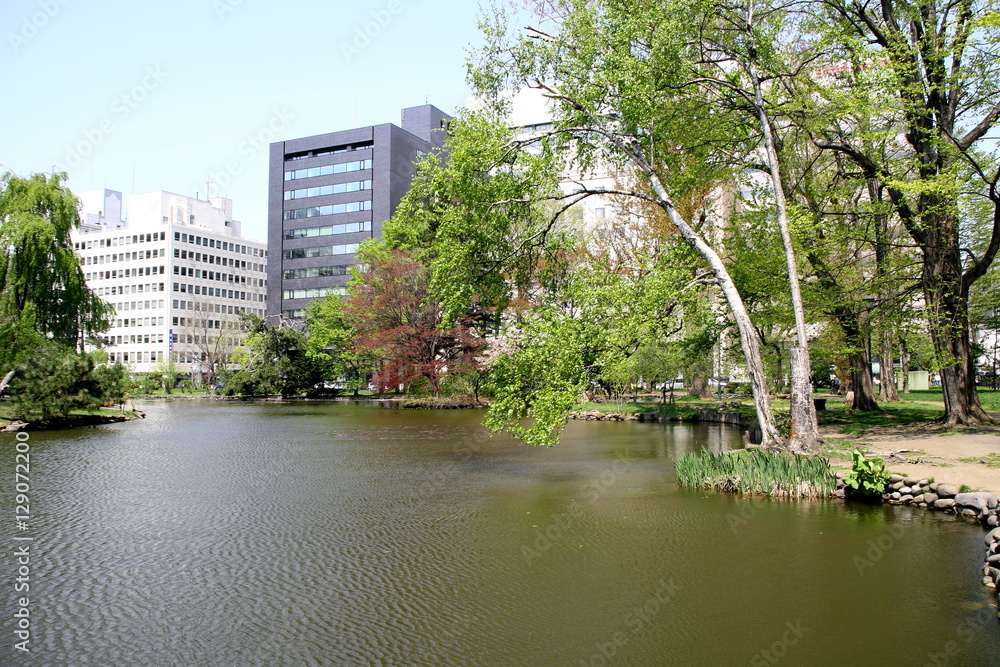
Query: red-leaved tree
[{"x": 395, "y": 319}]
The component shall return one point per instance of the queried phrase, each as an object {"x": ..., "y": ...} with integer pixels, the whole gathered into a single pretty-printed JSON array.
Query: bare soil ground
[{"x": 927, "y": 451}]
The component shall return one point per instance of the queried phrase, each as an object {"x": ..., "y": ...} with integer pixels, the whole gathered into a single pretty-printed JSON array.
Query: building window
[
  {"x": 312, "y": 293},
  {"x": 328, "y": 169},
  {"x": 324, "y": 251},
  {"x": 328, "y": 230},
  {"x": 330, "y": 209},
  {"x": 316, "y": 272},
  {"x": 336, "y": 189}
]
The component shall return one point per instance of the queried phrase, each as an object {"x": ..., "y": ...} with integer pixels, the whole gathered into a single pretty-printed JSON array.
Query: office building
[
  {"x": 178, "y": 273},
  {"x": 329, "y": 192}
]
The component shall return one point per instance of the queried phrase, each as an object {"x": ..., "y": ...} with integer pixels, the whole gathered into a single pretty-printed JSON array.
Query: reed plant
[{"x": 758, "y": 472}]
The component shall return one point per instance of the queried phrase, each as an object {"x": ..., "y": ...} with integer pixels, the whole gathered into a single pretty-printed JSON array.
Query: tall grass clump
[{"x": 758, "y": 472}]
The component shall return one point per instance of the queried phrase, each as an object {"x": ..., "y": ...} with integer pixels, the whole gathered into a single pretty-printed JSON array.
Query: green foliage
[
  {"x": 273, "y": 360},
  {"x": 37, "y": 261},
  {"x": 868, "y": 476},
  {"x": 757, "y": 471},
  {"x": 57, "y": 381},
  {"x": 331, "y": 341}
]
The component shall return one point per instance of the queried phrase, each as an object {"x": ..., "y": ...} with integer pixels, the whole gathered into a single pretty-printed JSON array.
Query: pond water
[{"x": 216, "y": 533}]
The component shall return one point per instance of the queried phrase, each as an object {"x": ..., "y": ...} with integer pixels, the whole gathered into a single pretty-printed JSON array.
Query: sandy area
[{"x": 933, "y": 453}]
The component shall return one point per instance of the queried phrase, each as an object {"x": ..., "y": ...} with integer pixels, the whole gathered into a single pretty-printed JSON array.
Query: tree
[
  {"x": 397, "y": 321},
  {"x": 936, "y": 66},
  {"x": 56, "y": 380},
  {"x": 272, "y": 360},
  {"x": 615, "y": 72},
  {"x": 332, "y": 338},
  {"x": 37, "y": 261}
]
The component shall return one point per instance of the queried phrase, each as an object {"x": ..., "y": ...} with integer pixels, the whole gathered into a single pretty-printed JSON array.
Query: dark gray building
[{"x": 329, "y": 192}]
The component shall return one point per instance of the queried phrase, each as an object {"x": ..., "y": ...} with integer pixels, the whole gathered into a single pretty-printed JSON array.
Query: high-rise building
[
  {"x": 330, "y": 192},
  {"x": 177, "y": 271}
]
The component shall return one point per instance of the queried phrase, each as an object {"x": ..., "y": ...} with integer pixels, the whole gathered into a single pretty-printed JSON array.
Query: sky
[{"x": 149, "y": 95}]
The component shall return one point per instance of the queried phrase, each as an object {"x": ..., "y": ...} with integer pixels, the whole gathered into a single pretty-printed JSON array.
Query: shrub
[{"x": 867, "y": 477}]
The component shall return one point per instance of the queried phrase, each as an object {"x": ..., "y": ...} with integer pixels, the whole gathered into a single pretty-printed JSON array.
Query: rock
[
  {"x": 969, "y": 512},
  {"x": 987, "y": 581},
  {"x": 911, "y": 481},
  {"x": 918, "y": 499},
  {"x": 944, "y": 503},
  {"x": 992, "y": 536},
  {"x": 923, "y": 482},
  {"x": 934, "y": 486},
  {"x": 992, "y": 503},
  {"x": 896, "y": 486},
  {"x": 907, "y": 498},
  {"x": 839, "y": 493},
  {"x": 977, "y": 500},
  {"x": 893, "y": 479},
  {"x": 946, "y": 490},
  {"x": 992, "y": 559},
  {"x": 905, "y": 490},
  {"x": 992, "y": 521},
  {"x": 895, "y": 495},
  {"x": 930, "y": 497}
]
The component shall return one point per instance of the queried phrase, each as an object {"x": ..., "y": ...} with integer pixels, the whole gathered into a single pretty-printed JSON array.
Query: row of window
[
  {"x": 134, "y": 339},
  {"x": 312, "y": 292},
  {"x": 138, "y": 305},
  {"x": 328, "y": 169},
  {"x": 184, "y": 288},
  {"x": 215, "y": 259},
  {"x": 329, "y": 150},
  {"x": 123, "y": 257},
  {"x": 191, "y": 272},
  {"x": 129, "y": 289},
  {"x": 294, "y": 313},
  {"x": 317, "y": 272},
  {"x": 207, "y": 307},
  {"x": 328, "y": 230},
  {"x": 335, "y": 189},
  {"x": 198, "y": 322},
  {"x": 137, "y": 357},
  {"x": 329, "y": 209},
  {"x": 221, "y": 245},
  {"x": 321, "y": 251},
  {"x": 139, "y": 322},
  {"x": 120, "y": 240},
  {"x": 127, "y": 273}
]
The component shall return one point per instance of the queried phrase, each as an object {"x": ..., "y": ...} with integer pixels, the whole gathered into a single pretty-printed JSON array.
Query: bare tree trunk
[
  {"x": 904, "y": 365},
  {"x": 805, "y": 428},
  {"x": 887, "y": 390}
]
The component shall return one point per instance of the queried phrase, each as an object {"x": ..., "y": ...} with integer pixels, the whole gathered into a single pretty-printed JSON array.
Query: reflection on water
[{"x": 335, "y": 533}]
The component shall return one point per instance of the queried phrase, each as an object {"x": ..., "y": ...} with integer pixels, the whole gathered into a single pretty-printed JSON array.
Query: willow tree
[
  {"x": 617, "y": 73},
  {"x": 937, "y": 64},
  {"x": 43, "y": 292}
]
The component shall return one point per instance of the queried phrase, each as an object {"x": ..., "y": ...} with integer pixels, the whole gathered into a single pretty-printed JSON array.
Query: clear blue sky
[{"x": 171, "y": 92}]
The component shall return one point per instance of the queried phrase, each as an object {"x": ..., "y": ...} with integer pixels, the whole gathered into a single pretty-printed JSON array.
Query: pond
[{"x": 336, "y": 533}]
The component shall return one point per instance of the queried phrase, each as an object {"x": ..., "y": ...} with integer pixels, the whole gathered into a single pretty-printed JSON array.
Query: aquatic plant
[{"x": 758, "y": 472}]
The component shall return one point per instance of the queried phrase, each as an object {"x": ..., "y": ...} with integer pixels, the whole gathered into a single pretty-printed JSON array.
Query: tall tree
[
  {"x": 42, "y": 287},
  {"x": 614, "y": 71},
  {"x": 938, "y": 64}
]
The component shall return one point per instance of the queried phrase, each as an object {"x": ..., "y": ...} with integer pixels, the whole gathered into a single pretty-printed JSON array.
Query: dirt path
[{"x": 922, "y": 451}]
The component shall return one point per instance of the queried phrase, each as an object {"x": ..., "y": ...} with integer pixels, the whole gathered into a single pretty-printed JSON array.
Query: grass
[
  {"x": 892, "y": 414},
  {"x": 758, "y": 472},
  {"x": 992, "y": 460},
  {"x": 990, "y": 398}
]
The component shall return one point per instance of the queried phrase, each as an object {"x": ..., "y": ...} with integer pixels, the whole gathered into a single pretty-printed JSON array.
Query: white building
[{"x": 177, "y": 271}]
